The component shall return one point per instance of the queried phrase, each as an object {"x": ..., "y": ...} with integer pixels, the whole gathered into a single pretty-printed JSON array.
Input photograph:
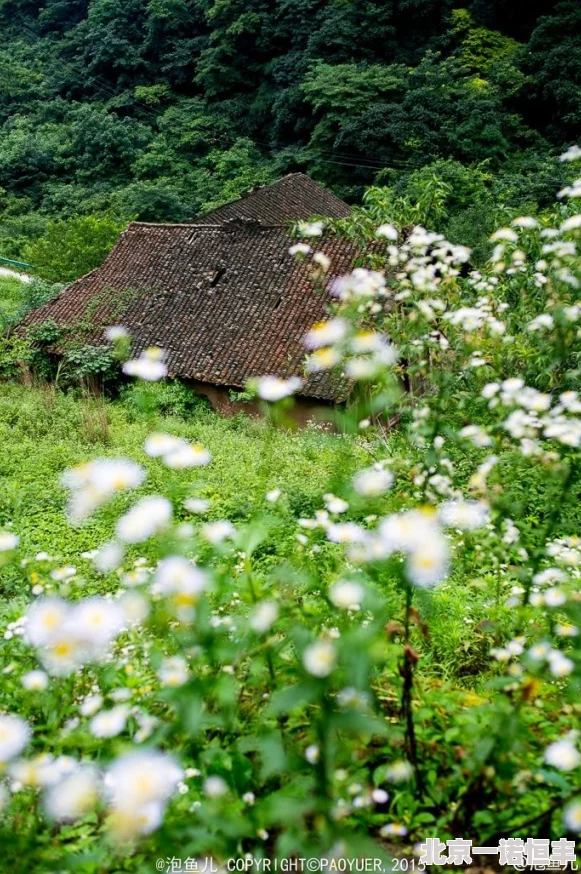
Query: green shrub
[
  {"x": 15, "y": 355},
  {"x": 72, "y": 247},
  {"x": 171, "y": 398},
  {"x": 34, "y": 294}
]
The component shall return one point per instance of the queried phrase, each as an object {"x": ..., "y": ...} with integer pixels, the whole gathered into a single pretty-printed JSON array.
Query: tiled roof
[
  {"x": 291, "y": 198},
  {"x": 221, "y": 296},
  {"x": 227, "y": 302}
]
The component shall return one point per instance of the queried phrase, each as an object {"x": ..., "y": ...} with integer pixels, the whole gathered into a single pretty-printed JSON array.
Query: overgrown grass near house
[{"x": 45, "y": 432}]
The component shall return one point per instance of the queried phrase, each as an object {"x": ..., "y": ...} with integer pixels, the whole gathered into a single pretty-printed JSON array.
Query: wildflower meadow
[{"x": 234, "y": 639}]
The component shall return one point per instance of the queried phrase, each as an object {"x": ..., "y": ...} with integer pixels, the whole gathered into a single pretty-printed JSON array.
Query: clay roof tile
[{"x": 224, "y": 299}]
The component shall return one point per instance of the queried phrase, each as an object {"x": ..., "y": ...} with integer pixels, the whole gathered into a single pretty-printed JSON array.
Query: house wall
[{"x": 303, "y": 412}]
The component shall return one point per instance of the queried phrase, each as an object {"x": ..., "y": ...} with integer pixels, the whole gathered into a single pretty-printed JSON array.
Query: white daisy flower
[
  {"x": 361, "y": 368},
  {"x": 405, "y": 531},
  {"x": 271, "y": 388},
  {"x": 428, "y": 566},
  {"x": 96, "y": 621},
  {"x": 173, "y": 671},
  {"x": 135, "y": 608},
  {"x": 61, "y": 574},
  {"x": 110, "y": 475},
  {"x": 127, "y": 824},
  {"x": 465, "y": 515},
  {"x": 215, "y": 787},
  {"x": 388, "y": 232},
  {"x": 263, "y": 616},
  {"x": 310, "y": 229},
  {"x": 559, "y": 664},
  {"x": 14, "y": 736},
  {"x": 40, "y": 771},
  {"x": 393, "y": 829},
  {"x": 312, "y": 754},
  {"x": 137, "y": 778},
  {"x": 64, "y": 653},
  {"x": 372, "y": 482},
  {"x": 573, "y": 153},
  {"x": 504, "y": 234},
  {"x": 326, "y": 333},
  {"x": 8, "y": 541},
  {"x": 572, "y": 813},
  {"x": 183, "y": 582},
  {"x": 35, "y": 681},
  {"x": 399, "y": 772},
  {"x": 548, "y": 576},
  {"x": 302, "y": 249},
  {"x": 45, "y": 618},
  {"x": 554, "y": 598},
  {"x": 189, "y": 455},
  {"x": 347, "y": 594},
  {"x": 146, "y": 367},
  {"x": 563, "y": 754},
  {"x": 74, "y": 796},
  {"x": 572, "y": 223},
  {"x": 367, "y": 341},
  {"x": 525, "y": 221},
  {"x": 109, "y": 723},
  {"x": 95, "y": 482},
  {"x": 157, "y": 444},
  {"x": 319, "y": 658},
  {"x": 109, "y": 557},
  {"x": 323, "y": 359},
  {"x": 115, "y": 333},
  {"x": 145, "y": 519},
  {"x": 336, "y": 505},
  {"x": 90, "y": 705},
  {"x": 197, "y": 505},
  {"x": 216, "y": 532},
  {"x": 322, "y": 260}
]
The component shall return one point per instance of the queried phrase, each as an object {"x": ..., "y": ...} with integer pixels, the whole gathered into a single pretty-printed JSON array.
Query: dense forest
[{"x": 159, "y": 110}]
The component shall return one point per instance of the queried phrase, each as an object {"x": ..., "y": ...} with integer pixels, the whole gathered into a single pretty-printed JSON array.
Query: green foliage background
[{"x": 163, "y": 109}]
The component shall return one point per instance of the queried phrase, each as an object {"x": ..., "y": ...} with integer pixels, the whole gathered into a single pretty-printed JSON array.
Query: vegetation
[
  {"x": 225, "y": 637},
  {"x": 51, "y": 431},
  {"x": 231, "y": 639},
  {"x": 165, "y": 109},
  {"x": 72, "y": 247},
  {"x": 10, "y": 298}
]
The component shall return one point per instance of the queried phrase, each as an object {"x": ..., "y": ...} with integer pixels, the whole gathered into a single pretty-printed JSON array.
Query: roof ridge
[
  {"x": 171, "y": 225},
  {"x": 290, "y": 198},
  {"x": 218, "y": 226},
  {"x": 315, "y": 189}
]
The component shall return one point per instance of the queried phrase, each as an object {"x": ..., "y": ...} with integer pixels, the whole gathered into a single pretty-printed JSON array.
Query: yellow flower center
[
  {"x": 62, "y": 649},
  {"x": 425, "y": 561}
]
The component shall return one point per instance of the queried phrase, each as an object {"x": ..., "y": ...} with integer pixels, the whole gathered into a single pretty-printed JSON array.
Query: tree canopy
[{"x": 162, "y": 109}]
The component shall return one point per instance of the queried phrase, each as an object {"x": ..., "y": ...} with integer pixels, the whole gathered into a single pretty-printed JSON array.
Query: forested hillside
[{"x": 162, "y": 109}]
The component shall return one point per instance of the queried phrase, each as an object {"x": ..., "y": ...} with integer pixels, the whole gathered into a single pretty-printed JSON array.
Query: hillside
[{"x": 164, "y": 109}]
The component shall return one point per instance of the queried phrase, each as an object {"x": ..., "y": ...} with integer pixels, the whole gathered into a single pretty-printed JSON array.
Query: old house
[{"x": 221, "y": 295}]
